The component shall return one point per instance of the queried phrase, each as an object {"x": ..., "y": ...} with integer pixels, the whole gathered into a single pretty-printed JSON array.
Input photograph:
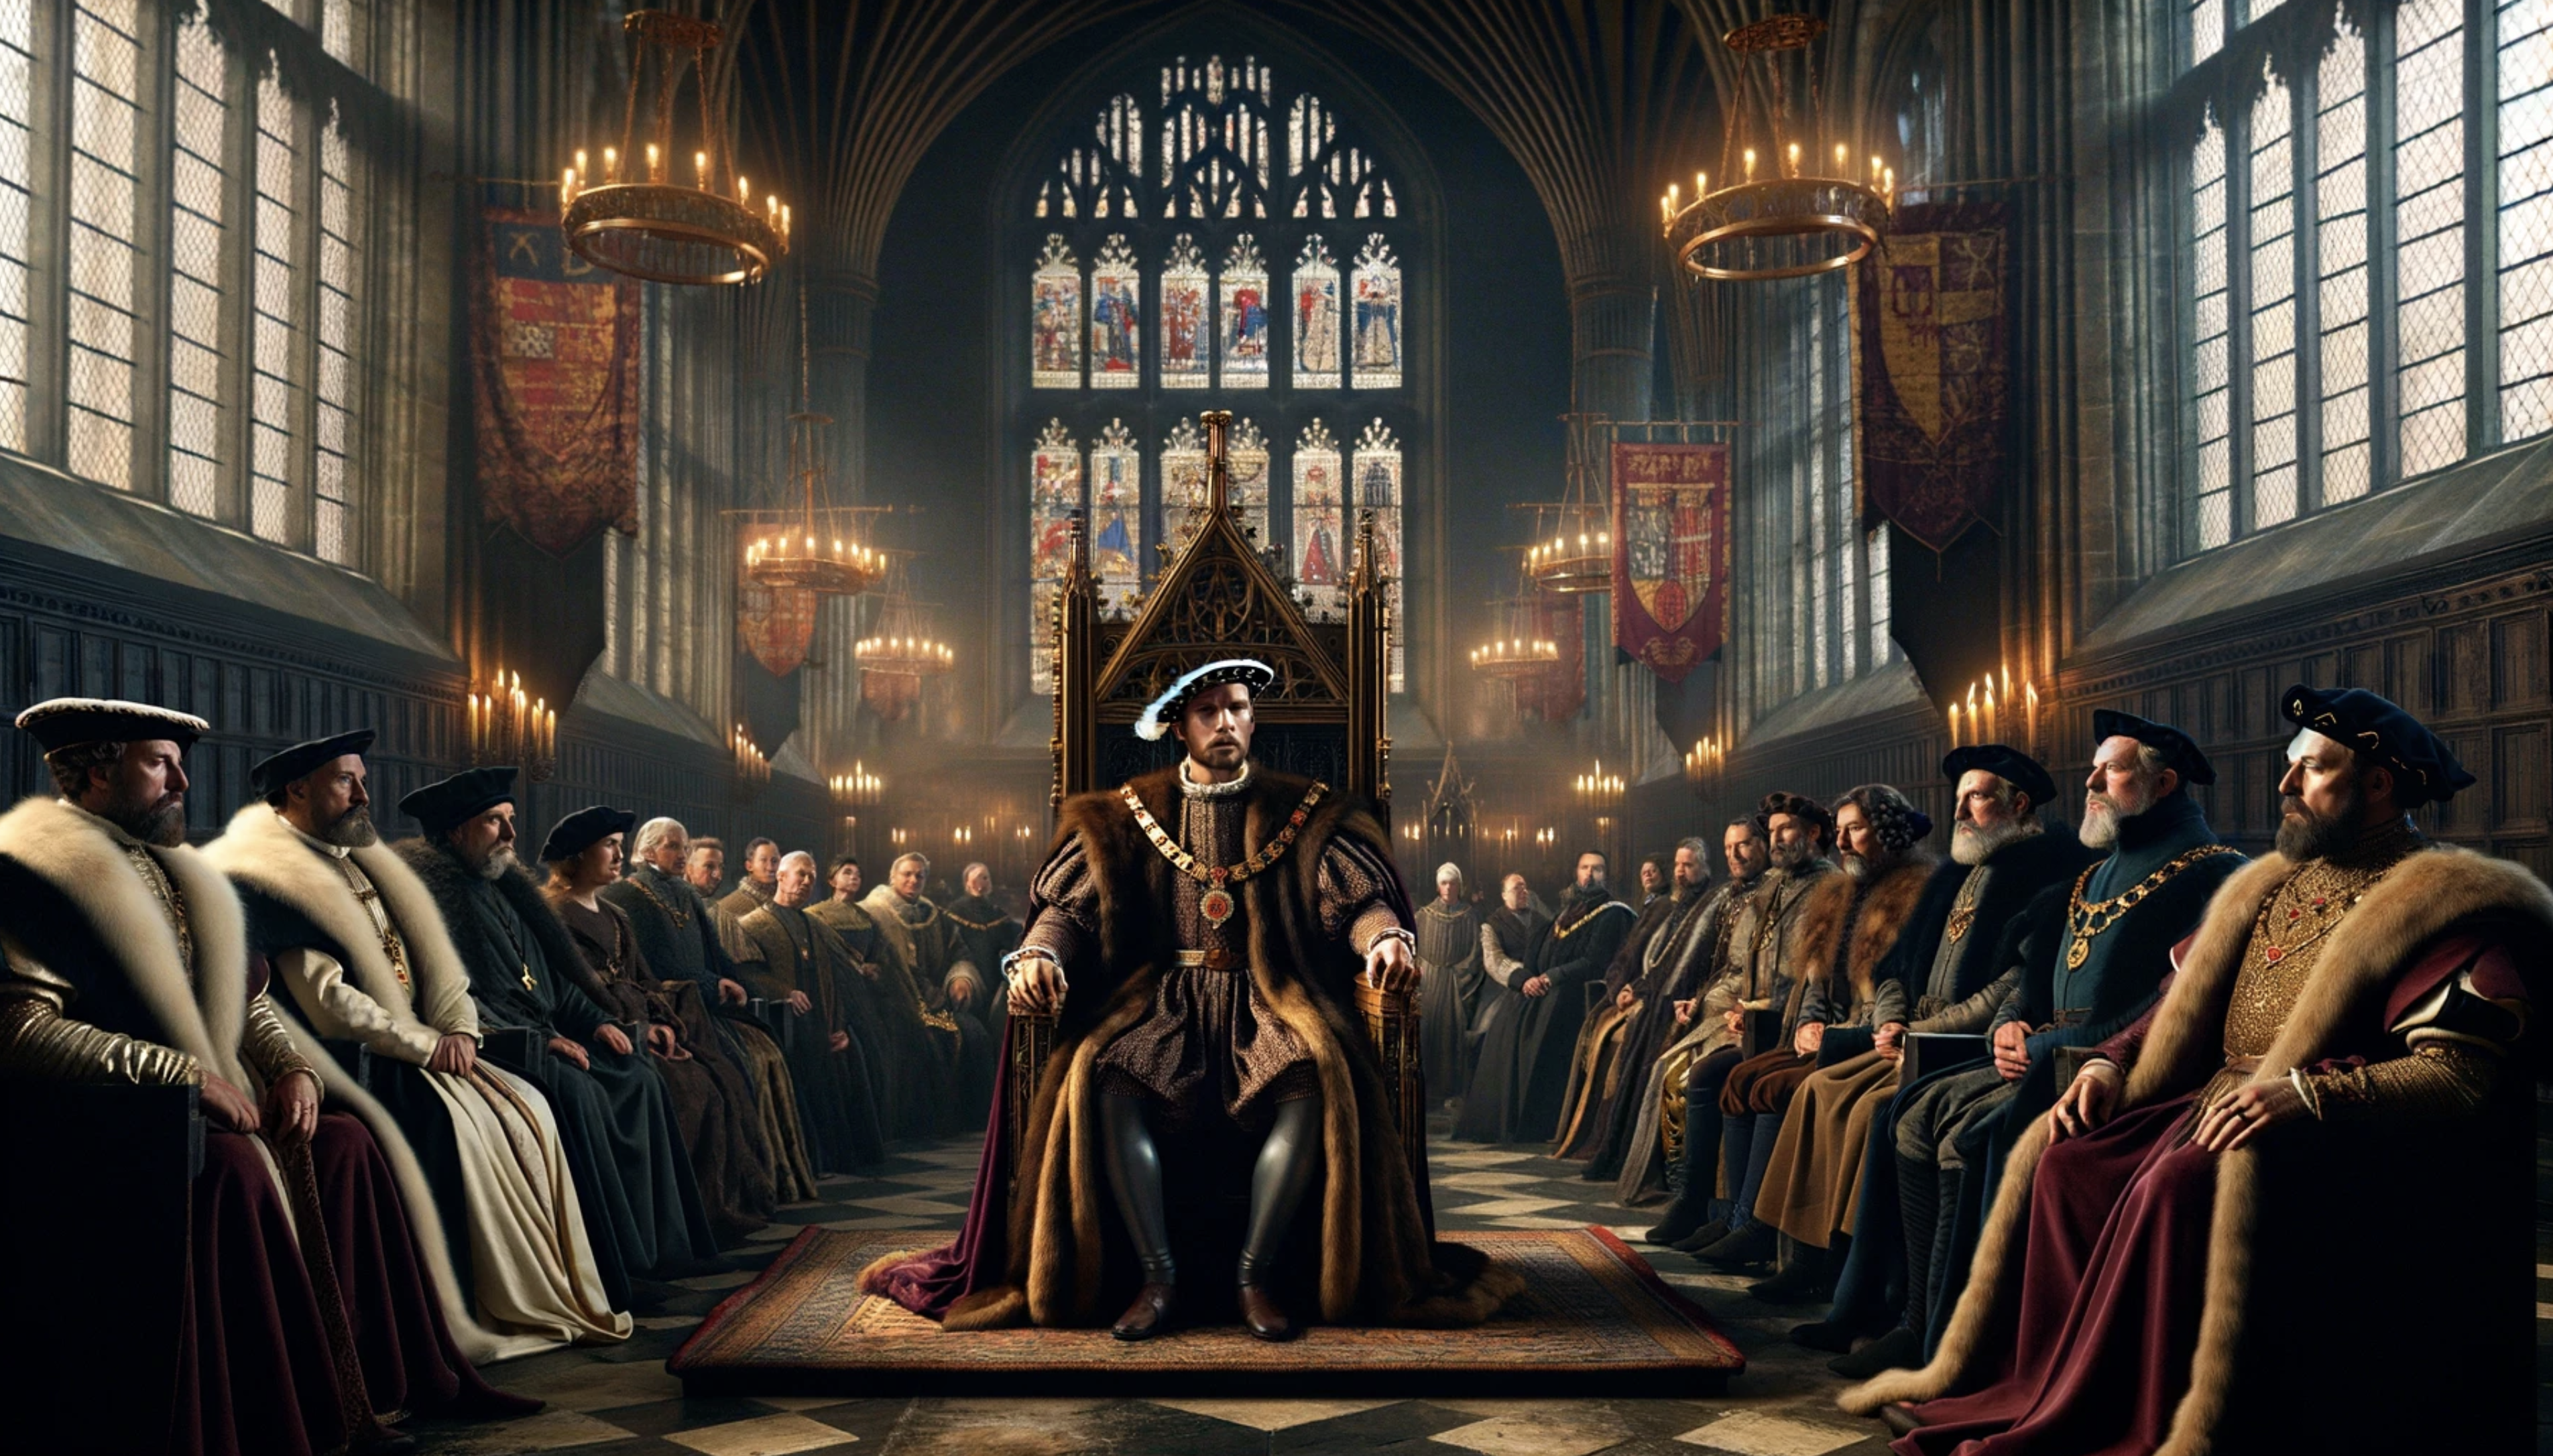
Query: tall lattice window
[
  {"x": 1831, "y": 624},
  {"x": 17, "y": 189},
  {"x": 106, "y": 72},
  {"x": 147, "y": 150},
  {"x": 197, "y": 188},
  {"x": 2409, "y": 271},
  {"x": 1212, "y": 239}
]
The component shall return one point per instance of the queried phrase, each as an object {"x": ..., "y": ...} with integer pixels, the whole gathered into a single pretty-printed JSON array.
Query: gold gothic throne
[{"x": 1323, "y": 716}]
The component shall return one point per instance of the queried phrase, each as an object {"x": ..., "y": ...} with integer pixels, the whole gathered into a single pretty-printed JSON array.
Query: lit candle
[
  {"x": 1750, "y": 164},
  {"x": 1701, "y": 186},
  {"x": 744, "y": 190},
  {"x": 567, "y": 189},
  {"x": 612, "y": 164},
  {"x": 580, "y": 160},
  {"x": 656, "y": 164},
  {"x": 1794, "y": 158},
  {"x": 700, "y": 165},
  {"x": 1844, "y": 162},
  {"x": 784, "y": 220}
]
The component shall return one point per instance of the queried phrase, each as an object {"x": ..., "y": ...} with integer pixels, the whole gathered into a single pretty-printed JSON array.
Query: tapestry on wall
[
  {"x": 555, "y": 358},
  {"x": 775, "y": 626},
  {"x": 1936, "y": 368},
  {"x": 1670, "y": 553}
]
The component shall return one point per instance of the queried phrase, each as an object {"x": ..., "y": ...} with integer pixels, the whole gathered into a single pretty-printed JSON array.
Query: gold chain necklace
[
  {"x": 1562, "y": 933},
  {"x": 681, "y": 918},
  {"x": 1216, "y": 903},
  {"x": 2326, "y": 917},
  {"x": 2084, "y": 920}
]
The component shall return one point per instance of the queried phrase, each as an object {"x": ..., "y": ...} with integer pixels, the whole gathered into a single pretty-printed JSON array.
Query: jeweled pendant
[
  {"x": 1215, "y": 905},
  {"x": 2077, "y": 953}
]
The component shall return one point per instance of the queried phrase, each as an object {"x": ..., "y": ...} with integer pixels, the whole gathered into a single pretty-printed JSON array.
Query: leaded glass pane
[
  {"x": 2206, "y": 29},
  {"x": 275, "y": 318},
  {"x": 1241, "y": 352},
  {"x": 17, "y": 184},
  {"x": 105, "y": 60},
  {"x": 1054, "y": 494},
  {"x": 2210, "y": 401},
  {"x": 1116, "y": 318},
  {"x": 1378, "y": 490},
  {"x": 1375, "y": 287},
  {"x": 1320, "y": 520},
  {"x": 197, "y": 188},
  {"x": 1116, "y": 519},
  {"x": 1875, "y": 544},
  {"x": 2428, "y": 192},
  {"x": 1055, "y": 319},
  {"x": 2525, "y": 234},
  {"x": 1185, "y": 325},
  {"x": 1317, "y": 317},
  {"x": 1216, "y": 158}
]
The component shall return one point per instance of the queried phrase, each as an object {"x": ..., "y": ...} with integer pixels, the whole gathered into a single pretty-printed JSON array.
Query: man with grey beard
[
  {"x": 641, "y": 1201},
  {"x": 2087, "y": 968}
]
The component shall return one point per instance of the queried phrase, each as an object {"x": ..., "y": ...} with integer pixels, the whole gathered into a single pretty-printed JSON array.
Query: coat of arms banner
[
  {"x": 555, "y": 354},
  {"x": 1670, "y": 553},
  {"x": 1935, "y": 369}
]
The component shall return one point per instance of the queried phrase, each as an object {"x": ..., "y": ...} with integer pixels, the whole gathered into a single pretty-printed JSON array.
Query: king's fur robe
[
  {"x": 2341, "y": 1013},
  {"x": 1379, "y": 1263}
]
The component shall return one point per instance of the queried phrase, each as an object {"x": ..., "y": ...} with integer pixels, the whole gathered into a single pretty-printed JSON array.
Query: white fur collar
[
  {"x": 262, "y": 850},
  {"x": 74, "y": 851}
]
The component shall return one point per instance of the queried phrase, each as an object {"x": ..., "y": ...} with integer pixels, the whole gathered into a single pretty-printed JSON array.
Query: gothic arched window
[{"x": 1236, "y": 243}]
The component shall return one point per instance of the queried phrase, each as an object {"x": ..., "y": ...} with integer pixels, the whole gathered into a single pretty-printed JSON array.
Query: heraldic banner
[
  {"x": 775, "y": 625},
  {"x": 554, "y": 353},
  {"x": 1670, "y": 553},
  {"x": 1935, "y": 369}
]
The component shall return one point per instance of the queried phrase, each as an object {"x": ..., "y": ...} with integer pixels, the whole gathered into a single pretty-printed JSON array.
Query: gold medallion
[
  {"x": 1215, "y": 905},
  {"x": 2077, "y": 953}
]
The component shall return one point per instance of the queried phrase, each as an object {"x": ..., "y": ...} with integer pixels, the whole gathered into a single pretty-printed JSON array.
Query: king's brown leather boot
[
  {"x": 1259, "y": 1313},
  {"x": 1149, "y": 1314}
]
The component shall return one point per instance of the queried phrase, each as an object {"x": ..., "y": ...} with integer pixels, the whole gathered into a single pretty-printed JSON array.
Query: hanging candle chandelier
[
  {"x": 1521, "y": 652},
  {"x": 859, "y": 789},
  {"x": 895, "y": 658},
  {"x": 635, "y": 216},
  {"x": 1791, "y": 198},
  {"x": 806, "y": 547},
  {"x": 1573, "y": 549}
]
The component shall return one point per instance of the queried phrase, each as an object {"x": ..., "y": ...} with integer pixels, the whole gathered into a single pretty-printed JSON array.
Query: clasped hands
[
  {"x": 1038, "y": 985},
  {"x": 2228, "y": 1123},
  {"x": 291, "y": 1105}
]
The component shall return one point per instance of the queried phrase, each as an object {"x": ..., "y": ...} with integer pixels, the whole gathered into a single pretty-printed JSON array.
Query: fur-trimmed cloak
[
  {"x": 532, "y": 1270},
  {"x": 2336, "y": 1251},
  {"x": 1059, "y": 1259}
]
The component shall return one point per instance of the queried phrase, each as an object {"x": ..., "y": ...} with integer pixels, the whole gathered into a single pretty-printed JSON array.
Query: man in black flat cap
[
  {"x": 2088, "y": 962},
  {"x": 366, "y": 967},
  {"x": 1944, "y": 975},
  {"x": 641, "y": 1202},
  {"x": 714, "y": 1101},
  {"x": 123, "y": 959},
  {"x": 2304, "y": 1178}
]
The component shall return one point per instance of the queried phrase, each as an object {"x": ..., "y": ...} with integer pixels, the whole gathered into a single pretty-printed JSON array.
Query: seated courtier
[
  {"x": 362, "y": 959},
  {"x": 312, "y": 1305},
  {"x": 1199, "y": 931},
  {"x": 2289, "y": 1211}
]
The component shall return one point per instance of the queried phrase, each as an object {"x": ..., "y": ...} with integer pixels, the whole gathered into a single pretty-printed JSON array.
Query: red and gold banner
[
  {"x": 1670, "y": 553},
  {"x": 1935, "y": 365},
  {"x": 555, "y": 356},
  {"x": 775, "y": 625}
]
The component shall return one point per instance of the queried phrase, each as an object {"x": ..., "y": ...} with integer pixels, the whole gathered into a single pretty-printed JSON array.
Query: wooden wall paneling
[
  {"x": 2467, "y": 678},
  {"x": 2519, "y": 668},
  {"x": 2519, "y": 777}
]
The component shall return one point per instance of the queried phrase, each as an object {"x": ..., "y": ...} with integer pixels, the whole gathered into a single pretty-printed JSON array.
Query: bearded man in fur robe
[
  {"x": 642, "y": 1204},
  {"x": 363, "y": 954},
  {"x": 1198, "y": 932},
  {"x": 1847, "y": 928},
  {"x": 2250, "y": 1222},
  {"x": 124, "y": 958}
]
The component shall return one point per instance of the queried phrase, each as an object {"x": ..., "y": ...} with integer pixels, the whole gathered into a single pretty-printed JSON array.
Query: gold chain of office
[
  {"x": 1216, "y": 904},
  {"x": 2083, "y": 921}
]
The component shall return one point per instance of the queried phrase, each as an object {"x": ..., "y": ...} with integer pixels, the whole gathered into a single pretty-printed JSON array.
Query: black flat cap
[
  {"x": 578, "y": 831},
  {"x": 2179, "y": 754},
  {"x": 301, "y": 761},
  {"x": 447, "y": 801},
  {"x": 2425, "y": 769},
  {"x": 67, "y": 722},
  {"x": 2011, "y": 766}
]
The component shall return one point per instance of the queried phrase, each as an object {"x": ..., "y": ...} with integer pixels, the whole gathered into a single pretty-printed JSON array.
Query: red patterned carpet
[{"x": 1594, "y": 1317}]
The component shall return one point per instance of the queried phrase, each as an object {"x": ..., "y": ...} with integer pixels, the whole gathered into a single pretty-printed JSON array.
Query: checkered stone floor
[{"x": 619, "y": 1402}]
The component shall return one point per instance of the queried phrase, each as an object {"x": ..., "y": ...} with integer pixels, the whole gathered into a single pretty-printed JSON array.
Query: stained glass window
[
  {"x": 2525, "y": 232},
  {"x": 1244, "y": 287},
  {"x": 273, "y": 398},
  {"x": 196, "y": 188},
  {"x": 1184, "y": 315},
  {"x": 17, "y": 186},
  {"x": 1055, "y": 319},
  {"x": 1054, "y": 494},
  {"x": 1377, "y": 490},
  {"x": 1184, "y": 240},
  {"x": 1320, "y": 522},
  {"x": 1214, "y": 139},
  {"x": 2429, "y": 224},
  {"x": 2272, "y": 233},
  {"x": 1317, "y": 317},
  {"x": 1116, "y": 318},
  {"x": 2340, "y": 242},
  {"x": 106, "y": 56},
  {"x": 1116, "y": 517},
  {"x": 1375, "y": 288},
  {"x": 335, "y": 393}
]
